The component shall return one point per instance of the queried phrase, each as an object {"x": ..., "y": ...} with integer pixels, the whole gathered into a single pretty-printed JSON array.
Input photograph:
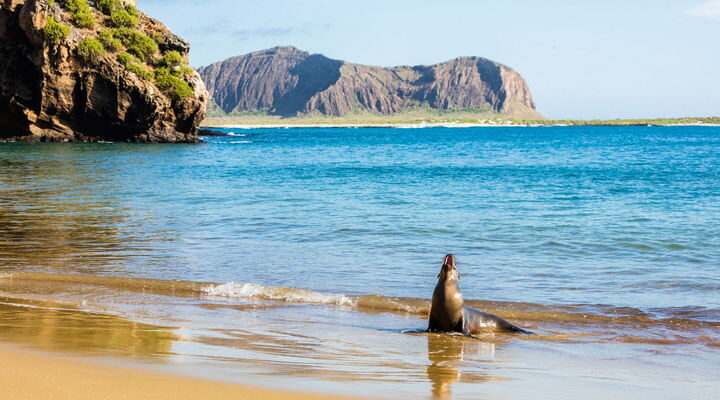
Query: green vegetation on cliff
[
  {"x": 91, "y": 49},
  {"x": 171, "y": 60},
  {"x": 55, "y": 32},
  {"x": 82, "y": 16},
  {"x": 132, "y": 64},
  {"x": 123, "y": 19},
  {"x": 167, "y": 81},
  {"x": 108, "y": 6},
  {"x": 109, "y": 41},
  {"x": 136, "y": 43},
  {"x": 73, "y": 73},
  {"x": 119, "y": 34}
]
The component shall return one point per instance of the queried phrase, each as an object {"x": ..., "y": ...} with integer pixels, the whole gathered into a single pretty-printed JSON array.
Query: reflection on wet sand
[
  {"x": 444, "y": 353},
  {"x": 52, "y": 214},
  {"x": 63, "y": 211},
  {"x": 447, "y": 353},
  {"x": 307, "y": 355},
  {"x": 57, "y": 329}
]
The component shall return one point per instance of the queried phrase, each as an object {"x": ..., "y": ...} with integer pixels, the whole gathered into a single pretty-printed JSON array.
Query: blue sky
[{"x": 582, "y": 59}]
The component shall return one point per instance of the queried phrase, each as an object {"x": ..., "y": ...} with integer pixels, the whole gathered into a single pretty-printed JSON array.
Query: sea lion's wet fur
[{"x": 449, "y": 313}]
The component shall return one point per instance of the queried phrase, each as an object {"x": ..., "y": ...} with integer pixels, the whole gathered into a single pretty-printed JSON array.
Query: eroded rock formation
[
  {"x": 48, "y": 92},
  {"x": 287, "y": 81}
]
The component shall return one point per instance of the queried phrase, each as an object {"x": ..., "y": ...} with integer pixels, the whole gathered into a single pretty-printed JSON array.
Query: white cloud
[{"x": 708, "y": 9}]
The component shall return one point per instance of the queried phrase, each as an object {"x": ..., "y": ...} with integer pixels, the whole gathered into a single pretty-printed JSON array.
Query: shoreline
[
  {"x": 29, "y": 375},
  {"x": 436, "y": 125}
]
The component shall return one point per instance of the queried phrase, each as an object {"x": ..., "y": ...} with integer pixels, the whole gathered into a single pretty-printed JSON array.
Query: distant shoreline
[{"x": 443, "y": 125}]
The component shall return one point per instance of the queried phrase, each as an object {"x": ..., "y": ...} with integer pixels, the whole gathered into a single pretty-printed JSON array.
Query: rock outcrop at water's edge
[
  {"x": 52, "y": 90},
  {"x": 289, "y": 82}
]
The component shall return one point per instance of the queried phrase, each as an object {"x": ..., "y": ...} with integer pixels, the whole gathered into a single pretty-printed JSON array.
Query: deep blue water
[{"x": 625, "y": 216}]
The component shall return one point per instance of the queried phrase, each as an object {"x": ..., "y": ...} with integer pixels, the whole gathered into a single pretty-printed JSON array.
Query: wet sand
[
  {"x": 301, "y": 341},
  {"x": 30, "y": 375}
]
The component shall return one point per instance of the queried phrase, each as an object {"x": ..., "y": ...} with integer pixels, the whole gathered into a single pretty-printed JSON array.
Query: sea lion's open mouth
[{"x": 449, "y": 268}]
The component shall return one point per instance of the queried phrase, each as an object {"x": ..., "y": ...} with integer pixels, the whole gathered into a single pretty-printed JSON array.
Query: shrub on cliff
[
  {"x": 109, "y": 41},
  {"x": 126, "y": 58},
  {"x": 175, "y": 63},
  {"x": 123, "y": 19},
  {"x": 135, "y": 66},
  {"x": 91, "y": 49},
  {"x": 108, "y": 6},
  {"x": 171, "y": 59},
  {"x": 55, "y": 32},
  {"x": 159, "y": 38},
  {"x": 136, "y": 43},
  {"x": 132, "y": 10},
  {"x": 177, "y": 87},
  {"x": 81, "y": 14}
]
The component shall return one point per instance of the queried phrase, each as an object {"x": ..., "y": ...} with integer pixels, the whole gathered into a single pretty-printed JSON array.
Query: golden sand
[{"x": 29, "y": 376}]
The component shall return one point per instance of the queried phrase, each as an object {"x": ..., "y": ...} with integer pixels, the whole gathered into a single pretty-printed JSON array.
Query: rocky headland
[
  {"x": 73, "y": 70},
  {"x": 290, "y": 82}
]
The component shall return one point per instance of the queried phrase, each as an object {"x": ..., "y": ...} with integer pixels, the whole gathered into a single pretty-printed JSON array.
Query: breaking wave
[
  {"x": 290, "y": 295},
  {"x": 528, "y": 313}
]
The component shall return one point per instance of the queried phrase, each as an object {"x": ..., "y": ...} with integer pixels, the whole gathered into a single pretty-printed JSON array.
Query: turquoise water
[
  {"x": 624, "y": 216},
  {"x": 308, "y": 255}
]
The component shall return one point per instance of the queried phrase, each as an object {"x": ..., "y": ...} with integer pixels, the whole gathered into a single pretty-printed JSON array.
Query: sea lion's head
[{"x": 449, "y": 271}]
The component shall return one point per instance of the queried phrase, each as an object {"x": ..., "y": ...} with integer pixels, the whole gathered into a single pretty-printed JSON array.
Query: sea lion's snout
[{"x": 448, "y": 270}]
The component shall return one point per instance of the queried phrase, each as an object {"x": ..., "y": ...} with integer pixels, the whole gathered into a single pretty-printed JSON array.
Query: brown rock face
[
  {"x": 48, "y": 93},
  {"x": 287, "y": 81}
]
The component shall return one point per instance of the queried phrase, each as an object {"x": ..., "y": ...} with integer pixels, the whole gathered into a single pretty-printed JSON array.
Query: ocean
[{"x": 305, "y": 258}]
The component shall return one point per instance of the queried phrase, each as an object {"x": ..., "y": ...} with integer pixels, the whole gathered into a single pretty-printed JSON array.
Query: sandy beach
[{"x": 30, "y": 375}]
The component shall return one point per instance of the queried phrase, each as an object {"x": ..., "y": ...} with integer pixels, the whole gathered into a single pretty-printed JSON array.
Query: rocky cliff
[
  {"x": 289, "y": 82},
  {"x": 73, "y": 70}
]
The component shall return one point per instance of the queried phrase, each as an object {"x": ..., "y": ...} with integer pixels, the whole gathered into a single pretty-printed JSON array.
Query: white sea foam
[
  {"x": 290, "y": 295},
  {"x": 413, "y": 126}
]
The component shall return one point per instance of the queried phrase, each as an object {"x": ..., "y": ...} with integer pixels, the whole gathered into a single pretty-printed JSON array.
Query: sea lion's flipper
[
  {"x": 478, "y": 321},
  {"x": 517, "y": 329},
  {"x": 432, "y": 326},
  {"x": 506, "y": 326},
  {"x": 463, "y": 327}
]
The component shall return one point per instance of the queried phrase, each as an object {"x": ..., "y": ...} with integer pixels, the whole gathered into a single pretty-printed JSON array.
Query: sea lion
[{"x": 449, "y": 314}]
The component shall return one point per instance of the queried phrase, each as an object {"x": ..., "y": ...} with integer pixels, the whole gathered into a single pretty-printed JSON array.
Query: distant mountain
[{"x": 289, "y": 82}]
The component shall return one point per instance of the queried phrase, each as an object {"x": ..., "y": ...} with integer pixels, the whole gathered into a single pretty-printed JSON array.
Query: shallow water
[{"x": 603, "y": 240}]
